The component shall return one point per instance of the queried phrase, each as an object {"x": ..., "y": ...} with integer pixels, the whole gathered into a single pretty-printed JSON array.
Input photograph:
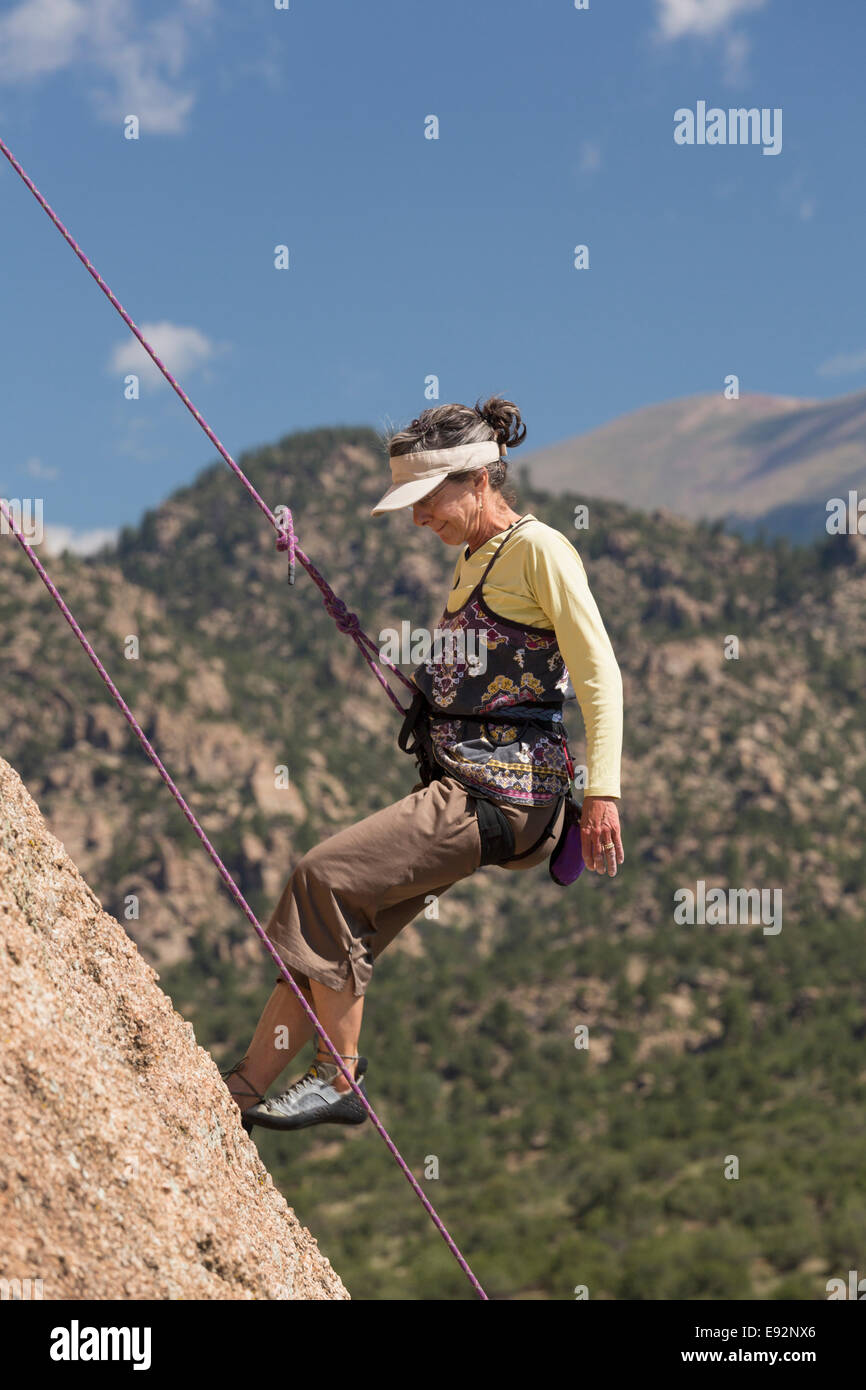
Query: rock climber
[{"x": 491, "y": 750}]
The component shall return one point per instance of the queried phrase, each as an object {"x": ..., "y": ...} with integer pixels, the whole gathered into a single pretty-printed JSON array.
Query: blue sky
[{"x": 409, "y": 257}]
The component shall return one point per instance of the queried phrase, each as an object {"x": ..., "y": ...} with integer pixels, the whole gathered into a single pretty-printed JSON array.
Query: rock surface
[{"x": 124, "y": 1170}]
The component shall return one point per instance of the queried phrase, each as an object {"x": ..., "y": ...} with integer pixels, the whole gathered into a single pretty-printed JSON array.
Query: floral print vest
[{"x": 505, "y": 760}]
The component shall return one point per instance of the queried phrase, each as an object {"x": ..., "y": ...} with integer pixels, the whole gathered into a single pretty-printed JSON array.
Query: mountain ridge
[{"x": 756, "y": 461}]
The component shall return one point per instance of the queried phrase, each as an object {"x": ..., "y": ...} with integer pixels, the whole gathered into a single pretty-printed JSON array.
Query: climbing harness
[
  {"x": 497, "y": 835},
  {"x": 346, "y": 622},
  {"x": 521, "y": 683},
  {"x": 523, "y": 657}
]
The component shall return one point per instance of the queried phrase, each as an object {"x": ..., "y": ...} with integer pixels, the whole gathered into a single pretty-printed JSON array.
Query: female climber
[{"x": 491, "y": 750}]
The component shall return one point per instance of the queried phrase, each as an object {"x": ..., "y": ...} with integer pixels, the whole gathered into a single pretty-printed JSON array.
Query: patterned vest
[{"x": 519, "y": 755}]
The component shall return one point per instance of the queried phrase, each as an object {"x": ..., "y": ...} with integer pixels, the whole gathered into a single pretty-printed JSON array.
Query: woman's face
[{"x": 449, "y": 510}]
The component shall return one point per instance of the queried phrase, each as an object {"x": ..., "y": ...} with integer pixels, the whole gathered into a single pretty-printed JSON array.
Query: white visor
[{"x": 415, "y": 475}]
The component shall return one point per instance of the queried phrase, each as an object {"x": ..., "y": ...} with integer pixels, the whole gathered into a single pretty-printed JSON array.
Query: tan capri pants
[{"x": 347, "y": 898}]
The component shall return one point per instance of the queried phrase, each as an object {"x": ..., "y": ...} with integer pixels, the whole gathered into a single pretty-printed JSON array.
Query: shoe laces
[{"x": 298, "y": 1087}]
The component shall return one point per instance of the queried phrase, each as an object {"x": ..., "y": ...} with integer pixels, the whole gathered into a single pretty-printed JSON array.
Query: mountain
[
  {"x": 124, "y": 1170},
  {"x": 768, "y": 462},
  {"x": 745, "y": 768}
]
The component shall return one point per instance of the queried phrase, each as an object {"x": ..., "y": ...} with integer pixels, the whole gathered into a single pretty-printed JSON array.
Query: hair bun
[
  {"x": 494, "y": 425},
  {"x": 504, "y": 419}
]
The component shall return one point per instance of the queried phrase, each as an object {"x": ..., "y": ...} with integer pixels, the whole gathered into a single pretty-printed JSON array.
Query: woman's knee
[
  {"x": 309, "y": 871},
  {"x": 322, "y": 876},
  {"x": 301, "y": 980}
]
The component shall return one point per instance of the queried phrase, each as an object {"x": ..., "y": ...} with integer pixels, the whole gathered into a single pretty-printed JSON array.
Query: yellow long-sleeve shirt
[{"x": 539, "y": 579}]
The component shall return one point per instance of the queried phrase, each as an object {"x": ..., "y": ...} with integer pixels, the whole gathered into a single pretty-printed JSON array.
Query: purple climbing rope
[{"x": 346, "y": 622}]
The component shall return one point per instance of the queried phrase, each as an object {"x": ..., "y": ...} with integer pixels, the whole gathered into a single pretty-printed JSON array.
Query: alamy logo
[
  {"x": 25, "y": 516},
  {"x": 15, "y": 1289},
  {"x": 856, "y": 1287},
  {"x": 737, "y": 126},
  {"x": 466, "y": 647},
  {"x": 846, "y": 519},
  {"x": 715, "y": 907},
  {"x": 76, "y": 1343}
]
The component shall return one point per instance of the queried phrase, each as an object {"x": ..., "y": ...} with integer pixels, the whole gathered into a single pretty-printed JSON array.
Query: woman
[{"x": 489, "y": 745}]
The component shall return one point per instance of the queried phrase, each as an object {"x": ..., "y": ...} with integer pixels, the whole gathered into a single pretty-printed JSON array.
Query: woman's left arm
[{"x": 558, "y": 581}]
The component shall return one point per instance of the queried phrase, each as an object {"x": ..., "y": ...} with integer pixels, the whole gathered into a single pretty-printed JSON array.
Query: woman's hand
[{"x": 600, "y": 839}]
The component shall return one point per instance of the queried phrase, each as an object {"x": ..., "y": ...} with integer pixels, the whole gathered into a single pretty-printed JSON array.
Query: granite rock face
[{"x": 124, "y": 1170}]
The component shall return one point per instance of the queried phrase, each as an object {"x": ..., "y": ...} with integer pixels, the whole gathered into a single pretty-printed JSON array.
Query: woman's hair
[{"x": 445, "y": 426}]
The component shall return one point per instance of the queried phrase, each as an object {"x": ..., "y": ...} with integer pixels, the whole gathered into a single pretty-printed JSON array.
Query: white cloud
[
  {"x": 143, "y": 59},
  {"x": 844, "y": 364},
  {"x": 181, "y": 349},
  {"x": 35, "y": 468},
  {"x": 60, "y": 538},
  {"x": 709, "y": 20},
  {"x": 736, "y": 51},
  {"x": 796, "y": 198},
  {"x": 590, "y": 157},
  {"x": 40, "y": 36},
  {"x": 700, "y": 18}
]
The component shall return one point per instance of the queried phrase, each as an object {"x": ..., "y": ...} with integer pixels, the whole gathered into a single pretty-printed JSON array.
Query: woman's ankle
[
  {"x": 349, "y": 1062},
  {"x": 243, "y": 1099},
  {"x": 244, "y": 1088}
]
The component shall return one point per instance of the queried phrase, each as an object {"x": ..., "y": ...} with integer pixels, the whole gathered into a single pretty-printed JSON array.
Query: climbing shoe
[{"x": 313, "y": 1101}]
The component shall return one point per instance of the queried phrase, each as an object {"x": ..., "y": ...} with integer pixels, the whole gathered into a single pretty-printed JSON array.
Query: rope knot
[
  {"x": 346, "y": 621},
  {"x": 286, "y": 541}
]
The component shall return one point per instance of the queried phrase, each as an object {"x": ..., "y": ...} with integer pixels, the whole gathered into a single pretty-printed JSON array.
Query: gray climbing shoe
[{"x": 313, "y": 1101}]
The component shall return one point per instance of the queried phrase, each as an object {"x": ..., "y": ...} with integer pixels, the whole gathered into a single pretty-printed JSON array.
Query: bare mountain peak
[{"x": 760, "y": 460}]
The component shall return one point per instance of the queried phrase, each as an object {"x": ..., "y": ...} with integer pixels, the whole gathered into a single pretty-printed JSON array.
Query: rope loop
[{"x": 286, "y": 541}]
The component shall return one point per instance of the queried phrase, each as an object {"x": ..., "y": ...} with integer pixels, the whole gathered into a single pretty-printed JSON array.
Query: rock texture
[{"x": 124, "y": 1170}]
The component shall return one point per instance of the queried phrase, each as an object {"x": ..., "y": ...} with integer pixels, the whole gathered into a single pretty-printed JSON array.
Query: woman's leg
[
  {"x": 326, "y": 924},
  {"x": 281, "y": 1032},
  {"x": 284, "y": 1029},
  {"x": 346, "y": 901},
  {"x": 340, "y": 1015}
]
